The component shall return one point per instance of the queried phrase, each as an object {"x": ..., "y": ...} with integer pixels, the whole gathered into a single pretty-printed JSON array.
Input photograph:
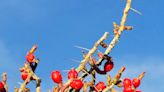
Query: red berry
[
  {"x": 100, "y": 86},
  {"x": 138, "y": 90},
  {"x": 108, "y": 66},
  {"x": 56, "y": 76},
  {"x": 76, "y": 84},
  {"x": 72, "y": 74},
  {"x": 127, "y": 82},
  {"x": 128, "y": 89},
  {"x": 30, "y": 57},
  {"x": 24, "y": 76},
  {"x": 136, "y": 82},
  {"x": 1, "y": 86}
]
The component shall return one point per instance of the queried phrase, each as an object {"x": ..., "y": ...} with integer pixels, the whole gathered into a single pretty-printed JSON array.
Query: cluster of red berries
[
  {"x": 130, "y": 86},
  {"x": 77, "y": 83},
  {"x": 72, "y": 74},
  {"x": 30, "y": 58}
]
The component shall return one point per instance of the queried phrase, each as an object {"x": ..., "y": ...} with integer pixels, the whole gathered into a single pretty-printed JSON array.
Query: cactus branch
[
  {"x": 121, "y": 29},
  {"x": 91, "y": 52}
]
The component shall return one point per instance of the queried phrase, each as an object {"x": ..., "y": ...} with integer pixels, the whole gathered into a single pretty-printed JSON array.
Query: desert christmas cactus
[
  {"x": 76, "y": 82},
  {"x": 76, "y": 76}
]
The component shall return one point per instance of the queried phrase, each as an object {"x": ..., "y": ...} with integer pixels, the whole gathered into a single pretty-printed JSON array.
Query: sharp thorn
[
  {"x": 77, "y": 61},
  {"x": 82, "y": 48},
  {"x": 136, "y": 11}
]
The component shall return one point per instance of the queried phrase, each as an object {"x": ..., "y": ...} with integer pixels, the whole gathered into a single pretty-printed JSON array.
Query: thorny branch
[
  {"x": 118, "y": 31},
  {"x": 91, "y": 52},
  {"x": 31, "y": 74}
]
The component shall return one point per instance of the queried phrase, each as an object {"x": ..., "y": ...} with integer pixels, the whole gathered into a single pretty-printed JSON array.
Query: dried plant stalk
[
  {"x": 91, "y": 52},
  {"x": 115, "y": 80},
  {"x": 65, "y": 86},
  {"x": 117, "y": 36},
  {"x": 30, "y": 74},
  {"x": 4, "y": 80},
  {"x": 86, "y": 85},
  {"x": 141, "y": 75},
  {"x": 38, "y": 89},
  {"x": 121, "y": 29}
]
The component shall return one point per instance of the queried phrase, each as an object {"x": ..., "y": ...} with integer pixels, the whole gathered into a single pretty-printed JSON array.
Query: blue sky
[{"x": 57, "y": 25}]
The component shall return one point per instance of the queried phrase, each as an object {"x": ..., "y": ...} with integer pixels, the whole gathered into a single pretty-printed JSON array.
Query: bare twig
[
  {"x": 31, "y": 74},
  {"x": 4, "y": 80},
  {"x": 141, "y": 75},
  {"x": 90, "y": 53},
  {"x": 121, "y": 29},
  {"x": 115, "y": 80}
]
